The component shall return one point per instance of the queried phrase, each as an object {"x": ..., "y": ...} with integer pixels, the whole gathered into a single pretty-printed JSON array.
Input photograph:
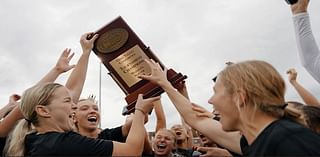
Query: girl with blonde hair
[{"x": 250, "y": 99}]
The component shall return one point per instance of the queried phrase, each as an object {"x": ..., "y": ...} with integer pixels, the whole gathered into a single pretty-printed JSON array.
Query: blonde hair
[
  {"x": 36, "y": 95},
  {"x": 263, "y": 86},
  {"x": 173, "y": 135},
  {"x": 91, "y": 98}
]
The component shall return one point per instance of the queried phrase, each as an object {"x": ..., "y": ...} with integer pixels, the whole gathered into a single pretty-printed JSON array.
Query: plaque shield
[{"x": 122, "y": 52}]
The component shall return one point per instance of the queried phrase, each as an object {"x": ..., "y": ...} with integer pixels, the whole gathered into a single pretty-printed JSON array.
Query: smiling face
[
  {"x": 87, "y": 115},
  {"x": 60, "y": 108},
  {"x": 226, "y": 104},
  {"x": 164, "y": 142}
]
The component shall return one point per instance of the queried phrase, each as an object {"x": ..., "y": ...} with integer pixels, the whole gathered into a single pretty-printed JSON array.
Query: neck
[
  {"x": 48, "y": 126},
  {"x": 253, "y": 125},
  {"x": 93, "y": 133},
  {"x": 183, "y": 144}
]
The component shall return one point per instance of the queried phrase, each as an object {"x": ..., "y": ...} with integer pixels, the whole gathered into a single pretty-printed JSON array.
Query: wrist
[
  {"x": 165, "y": 85},
  {"x": 56, "y": 70},
  {"x": 293, "y": 82},
  {"x": 86, "y": 51},
  {"x": 140, "y": 110},
  {"x": 298, "y": 9}
]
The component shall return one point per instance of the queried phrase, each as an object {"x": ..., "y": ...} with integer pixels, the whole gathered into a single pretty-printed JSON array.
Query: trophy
[{"x": 123, "y": 54}]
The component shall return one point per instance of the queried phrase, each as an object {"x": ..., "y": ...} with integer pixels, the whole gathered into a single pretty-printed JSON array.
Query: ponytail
[
  {"x": 293, "y": 113},
  {"x": 39, "y": 94},
  {"x": 15, "y": 146}
]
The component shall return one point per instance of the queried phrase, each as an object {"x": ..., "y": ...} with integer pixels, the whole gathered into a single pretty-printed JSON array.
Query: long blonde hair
[
  {"x": 36, "y": 95},
  {"x": 263, "y": 86}
]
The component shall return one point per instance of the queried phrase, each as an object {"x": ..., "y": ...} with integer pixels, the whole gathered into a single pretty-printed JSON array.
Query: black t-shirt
[
  {"x": 283, "y": 137},
  {"x": 114, "y": 134},
  {"x": 2, "y": 144},
  {"x": 65, "y": 144}
]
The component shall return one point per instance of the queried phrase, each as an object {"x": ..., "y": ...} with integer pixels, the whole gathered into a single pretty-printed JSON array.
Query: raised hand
[
  {"x": 13, "y": 101},
  {"x": 157, "y": 75},
  {"x": 86, "y": 43},
  {"x": 292, "y": 75},
  {"x": 64, "y": 60},
  {"x": 145, "y": 105},
  {"x": 300, "y": 7}
]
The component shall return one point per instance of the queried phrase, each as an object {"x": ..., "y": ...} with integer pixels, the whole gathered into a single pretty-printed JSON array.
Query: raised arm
[
  {"x": 161, "y": 118},
  {"x": 11, "y": 119},
  {"x": 10, "y": 114},
  {"x": 209, "y": 127},
  {"x": 136, "y": 137},
  {"x": 307, "y": 97},
  {"x": 147, "y": 148},
  {"x": 61, "y": 66},
  {"x": 182, "y": 89},
  {"x": 308, "y": 49},
  {"x": 10, "y": 106},
  {"x": 77, "y": 78}
]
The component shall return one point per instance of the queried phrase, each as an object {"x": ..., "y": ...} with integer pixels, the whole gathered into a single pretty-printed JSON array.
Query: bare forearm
[
  {"x": 307, "y": 97},
  {"x": 51, "y": 76},
  {"x": 4, "y": 111},
  {"x": 9, "y": 121},
  {"x": 125, "y": 129},
  {"x": 147, "y": 149},
  {"x": 161, "y": 119},
  {"x": 137, "y": 132},
  {"x": 77, "y": 78},
  {"x": 182, "y": 104}
]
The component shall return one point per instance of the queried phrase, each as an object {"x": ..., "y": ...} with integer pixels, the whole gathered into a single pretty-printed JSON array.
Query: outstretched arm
[
  {"x": 308, "y": 49},
  {"x": 9, "y": 121},
  {"x": 10, "y": 106},
  {"x": 307, "y": 97},
  {"x": 182, "y": 89},
  {"x": 209, "y": 127},
  {"x": 13, "y": 115},
  {"x": 77, "y": 78},
  {"x": 136, "y": 137}
]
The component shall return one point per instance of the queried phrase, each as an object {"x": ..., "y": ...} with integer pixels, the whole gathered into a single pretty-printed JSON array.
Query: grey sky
[{"x": 193, "y": 37}]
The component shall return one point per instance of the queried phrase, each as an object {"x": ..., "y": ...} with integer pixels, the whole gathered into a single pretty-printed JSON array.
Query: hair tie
[
  {"x": 29, "y": 121},
  {"x": 284, "y": 106}
]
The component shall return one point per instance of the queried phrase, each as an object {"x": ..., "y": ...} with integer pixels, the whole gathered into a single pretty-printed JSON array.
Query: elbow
[{"x": 191, "y": 121}]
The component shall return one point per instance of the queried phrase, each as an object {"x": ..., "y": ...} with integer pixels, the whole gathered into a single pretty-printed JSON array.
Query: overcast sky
[{"x": 195, "y": 38}]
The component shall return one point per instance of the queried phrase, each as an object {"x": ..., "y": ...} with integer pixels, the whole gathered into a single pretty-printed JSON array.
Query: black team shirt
[
  {"x": 66, "y": 144},
  {"x": 283, "y": 137}
]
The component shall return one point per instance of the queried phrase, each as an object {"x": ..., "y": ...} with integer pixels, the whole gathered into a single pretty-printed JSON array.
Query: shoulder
[
  {"x": 282, "y": 137},
  {"x": 51, "y": 137},
  {"x": 114, "y": 134},
  {"x": 291, "y": 138}
]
